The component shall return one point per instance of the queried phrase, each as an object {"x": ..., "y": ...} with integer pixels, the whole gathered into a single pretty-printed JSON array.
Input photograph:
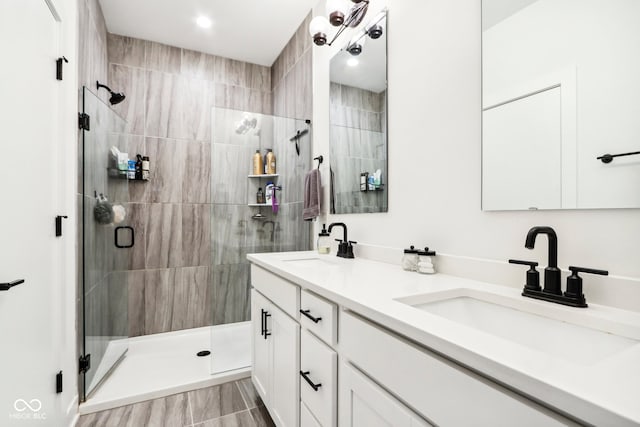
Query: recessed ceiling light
[
  {"x": 203, "y": 22},
  {"x": 352, "y": 62}
]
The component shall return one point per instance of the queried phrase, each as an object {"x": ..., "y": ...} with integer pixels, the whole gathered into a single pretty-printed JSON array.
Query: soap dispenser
[{"x": 324, "y": 241}]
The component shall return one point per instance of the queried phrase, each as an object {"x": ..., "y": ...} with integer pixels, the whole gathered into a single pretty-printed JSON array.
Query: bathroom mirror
[
  {"x": 358, "y": 120},
  {"x": 561, "y": 89}
]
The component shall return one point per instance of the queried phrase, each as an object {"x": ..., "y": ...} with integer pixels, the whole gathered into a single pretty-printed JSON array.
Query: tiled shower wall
[
  {"x": 358, "y": 144},
  {"x": 175, "y": 279},
  {"x": 170, "y": 96}
]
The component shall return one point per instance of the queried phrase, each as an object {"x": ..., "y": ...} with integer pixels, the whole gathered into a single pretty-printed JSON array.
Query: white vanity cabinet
[
  {"x": 276, "y": 346},
  {"x": 364, "y": 404}
]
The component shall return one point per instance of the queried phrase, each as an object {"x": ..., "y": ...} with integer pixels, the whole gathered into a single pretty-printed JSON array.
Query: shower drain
[{"x": 203, "y": 353}]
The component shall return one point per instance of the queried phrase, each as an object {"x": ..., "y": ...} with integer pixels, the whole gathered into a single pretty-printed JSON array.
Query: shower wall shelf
[
  {"x": 259, "y": 205},
  {"x": 264, "y": 175}
]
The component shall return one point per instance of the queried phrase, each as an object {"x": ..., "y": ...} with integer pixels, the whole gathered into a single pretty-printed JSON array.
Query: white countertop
[{"x": 603, "y": 393}]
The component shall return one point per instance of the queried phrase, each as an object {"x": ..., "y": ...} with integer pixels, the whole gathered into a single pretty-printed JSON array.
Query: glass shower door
[{"x": 107, "y": 238}]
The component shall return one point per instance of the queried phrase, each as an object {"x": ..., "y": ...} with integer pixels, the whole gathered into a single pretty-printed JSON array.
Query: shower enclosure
[{"x": 113, "y": 295}]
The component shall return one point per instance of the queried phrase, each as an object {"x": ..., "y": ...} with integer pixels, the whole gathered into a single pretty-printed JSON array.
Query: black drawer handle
[
  {"x": 9, "y": 285},
  {"x": 314, "y": 319},
  {"x": 305, "y": 375},
  {"x": 266, "y": 314},
  {"x": 118, "y": 245}
]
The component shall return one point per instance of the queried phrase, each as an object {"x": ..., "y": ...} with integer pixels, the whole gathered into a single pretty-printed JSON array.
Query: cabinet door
[
  {"x": 365, "y": 404},
  {"x": 260, "y": 345},
  {"x": 285, "y": 368}
]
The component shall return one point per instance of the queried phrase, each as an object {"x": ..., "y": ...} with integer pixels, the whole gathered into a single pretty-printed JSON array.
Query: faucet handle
[
  {"x": 574, "y": 284},
  {"x": 533, "y": 276},
  {"x": 349, "y": 253}
]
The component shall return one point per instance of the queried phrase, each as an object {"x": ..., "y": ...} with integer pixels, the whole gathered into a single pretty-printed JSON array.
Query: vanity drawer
[
  {"x": 318, "y": 363},
  {"x": 319, "y": 316},
  {"x": 283, "y": 293},
  {"x": 442, "y": 391}
]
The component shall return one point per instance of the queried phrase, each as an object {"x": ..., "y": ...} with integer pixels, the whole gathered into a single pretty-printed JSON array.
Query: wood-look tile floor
[{"x": 233, "y": 404}]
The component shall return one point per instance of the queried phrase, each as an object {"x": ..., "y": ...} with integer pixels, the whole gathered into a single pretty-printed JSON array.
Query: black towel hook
[{"x": 320, "y": 159}]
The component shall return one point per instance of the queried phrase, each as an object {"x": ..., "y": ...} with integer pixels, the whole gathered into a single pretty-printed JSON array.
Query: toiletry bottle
[
  {"x": 425, "y": 263},
  {"x": 270, "y": 166},
  {"x": 260, "y": 196},
  {"x": 258, "y": 167},
  {"x": 410, "y": 259},
  {"x": 324, "y": 241},
  {"x": 145, "y": 168},
  {"x": 138, "y": 175},
  {"x": 131, "y": 172},
  {"x": 268, "y": 192}
]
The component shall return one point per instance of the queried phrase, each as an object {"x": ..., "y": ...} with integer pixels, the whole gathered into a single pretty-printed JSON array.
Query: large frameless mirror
[
  {"x": 561, "y": 101},
  {"x": 358, "y": 121}
]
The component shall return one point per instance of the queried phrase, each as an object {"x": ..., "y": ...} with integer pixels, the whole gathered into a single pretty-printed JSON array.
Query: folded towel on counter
[{"x": 311, "y": 208}]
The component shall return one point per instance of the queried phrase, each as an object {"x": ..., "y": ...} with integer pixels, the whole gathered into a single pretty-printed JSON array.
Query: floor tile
[
  {"x": 249, "y": 393},
  {"x": 238, "y": 419},
  {"x": 214, "y": 402}
]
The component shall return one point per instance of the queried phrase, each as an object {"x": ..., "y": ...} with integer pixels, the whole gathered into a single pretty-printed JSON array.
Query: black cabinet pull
[
  {"x": 306, "y": 314},
  {"x": 118, "y": 245},
  {"x": 262, "y": 312},
  {"x": 9, "y": 285},
  {"x": 305, "y": 375},
  {"x": 266, "y": 333}
]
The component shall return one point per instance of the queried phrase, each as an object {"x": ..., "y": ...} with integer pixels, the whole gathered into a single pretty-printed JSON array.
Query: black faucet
[
  {"x": 552, "y": 291},
  {"x": 345, "y": 247},
  {"x": 552, "y": 272}
]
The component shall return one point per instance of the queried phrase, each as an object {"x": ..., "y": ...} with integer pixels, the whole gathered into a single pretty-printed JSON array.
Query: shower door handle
[
  {"x": 9, "y": 285},
  {"x": 133, "y": 234}
]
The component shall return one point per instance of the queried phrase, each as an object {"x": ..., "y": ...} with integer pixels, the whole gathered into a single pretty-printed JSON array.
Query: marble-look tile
[
  {"x": 216, "y": 401},
  {"x": 249, "y": 393},
  {"x": 258, "y": 77},
  {"x": 161, "y": 57},
  {"x": 135, "y": 257},
  {"x": 229, "y": 225},
  {"x": 306, "y": 84},
  {"x": 236, "y": 73},
  {"x": 221, "y": 96},
  {"x": 130, "y": 81},
  {"x": 196, "y": 180},
  {"x": 192, "y": 299},
  {"x": 258, "y": 101},
  {"x": 230, "y": 293},
  {"x": 231, "y": 165},
  {"x": 136, "y": 303},
  {"x": 117, "y": 304},
  {"x": 178, "y": 107},
  {"x": 294, "y": 234},
  {"x": 198, "y": 65},
  {"x": 159, "y": 297},
  {"x": 238, "y": 419},
  {"x": 290, "y": 95},
  {"x": 169, "y": 411},
  {"x": 125, "y": 50},
  {"x": 238, "y": 97},
  {"x": 164, "y": 236},
  {"x": 167, "y": 162},
  {"x": 196, "y": 234},
  {"x": 220, "y": 66},
  {"x": 261, "y": 417}
]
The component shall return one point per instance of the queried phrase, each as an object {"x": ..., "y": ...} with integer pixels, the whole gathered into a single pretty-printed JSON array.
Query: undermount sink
[{"x": 569, "y": 333}]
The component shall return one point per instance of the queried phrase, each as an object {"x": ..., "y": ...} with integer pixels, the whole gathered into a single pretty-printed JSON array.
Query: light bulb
[
  {"x": 203, "y": 22},
  {"x": 337, "y": 10},
  {"x": 352, "y": 62},
  {"x": 318, "y": 29}
]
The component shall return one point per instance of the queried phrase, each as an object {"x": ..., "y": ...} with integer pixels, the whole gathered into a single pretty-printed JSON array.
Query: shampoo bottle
[
  {"x": 258, "y": 167},
  {"x": 270, "y": 165}
]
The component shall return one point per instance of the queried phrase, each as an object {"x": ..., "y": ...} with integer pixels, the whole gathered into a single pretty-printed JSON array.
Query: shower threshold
[{"x": 163, "y": 364}]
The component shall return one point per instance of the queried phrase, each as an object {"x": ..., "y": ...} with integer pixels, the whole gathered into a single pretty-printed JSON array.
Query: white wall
[{"x": 434, "y": 154}]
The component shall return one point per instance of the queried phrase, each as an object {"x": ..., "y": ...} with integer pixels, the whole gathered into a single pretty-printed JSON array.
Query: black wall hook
[{"x": 320, "y": 159}]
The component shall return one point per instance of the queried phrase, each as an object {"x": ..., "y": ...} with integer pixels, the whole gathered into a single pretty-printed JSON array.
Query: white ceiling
[
  {"x": 495, "y": 11},
  {"x": 254, "y": 31}
]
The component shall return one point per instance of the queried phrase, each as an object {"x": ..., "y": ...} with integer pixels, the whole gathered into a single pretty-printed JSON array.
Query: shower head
[{"x": 116, "y": 97}]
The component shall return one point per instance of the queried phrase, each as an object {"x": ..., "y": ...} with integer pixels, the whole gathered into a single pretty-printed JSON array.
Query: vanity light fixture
[
  {"x": 203, "y": 22},
  {"x": 345, "y": 15}
]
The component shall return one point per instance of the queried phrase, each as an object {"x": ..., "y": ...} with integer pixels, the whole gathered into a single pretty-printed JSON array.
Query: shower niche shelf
[
  {"x": 264, "y": 175},
  {"x": 255, "y": 182}
]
